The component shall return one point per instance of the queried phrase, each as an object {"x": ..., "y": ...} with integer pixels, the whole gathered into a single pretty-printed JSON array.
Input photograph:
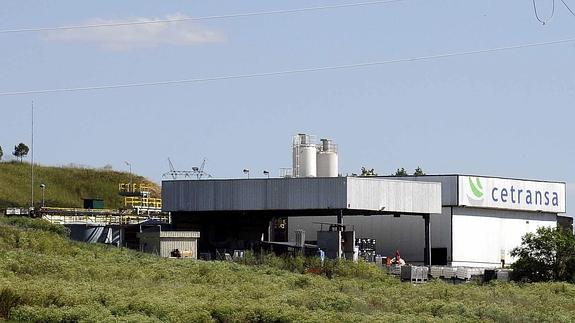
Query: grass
[
  {"x": 44, "y": 277},
  {"x": 65, "y": 186}
]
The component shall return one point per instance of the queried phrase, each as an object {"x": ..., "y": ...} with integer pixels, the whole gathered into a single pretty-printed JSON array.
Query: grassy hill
[
  {"x": 44, "y": 277},
  {"x": 65, "y": 186}
]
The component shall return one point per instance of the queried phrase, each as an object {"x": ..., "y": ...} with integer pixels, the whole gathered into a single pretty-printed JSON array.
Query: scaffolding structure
[
  {"x": 138, "y": 207},
  {"x": 137, "y": 196}
]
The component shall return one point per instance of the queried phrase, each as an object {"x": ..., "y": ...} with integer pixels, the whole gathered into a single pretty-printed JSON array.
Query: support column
[
  {"x": 340, "y": 219},
  {"x": 427, "y": 256},
  {"x": 271, "y": 225},
  {"x": 340, "y": 233}
]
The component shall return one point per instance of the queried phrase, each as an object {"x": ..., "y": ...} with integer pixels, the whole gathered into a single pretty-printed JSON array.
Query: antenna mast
[{"x": 32, "y": 164}]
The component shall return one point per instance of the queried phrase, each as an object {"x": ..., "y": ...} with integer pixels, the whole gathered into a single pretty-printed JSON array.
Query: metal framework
[
  {"x": 196, "y": 172},
  {"x": 95, "y": 216}
]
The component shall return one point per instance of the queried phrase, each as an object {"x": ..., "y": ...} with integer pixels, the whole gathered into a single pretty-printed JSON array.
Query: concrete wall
[{"x": 481, "y": 237}]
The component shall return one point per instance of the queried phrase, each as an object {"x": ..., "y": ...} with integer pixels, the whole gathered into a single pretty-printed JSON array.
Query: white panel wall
[
  {"x": 448, "y": 185},
  {"x": 405, "y": 233},
  {"x": 368, "y": 193},
  {"x": 481, "y": 236}
]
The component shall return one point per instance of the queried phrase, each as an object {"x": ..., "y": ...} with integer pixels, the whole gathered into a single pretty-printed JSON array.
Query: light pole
[
  {"x": 267, "y": 173},
  {"x": 247, "y": 172},
  {"x": 43, "y": 187},
  {"x": 130, "y": 165}
]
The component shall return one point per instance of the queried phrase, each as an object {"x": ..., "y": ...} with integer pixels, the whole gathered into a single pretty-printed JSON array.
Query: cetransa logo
[{"x": 475, "y": 191}]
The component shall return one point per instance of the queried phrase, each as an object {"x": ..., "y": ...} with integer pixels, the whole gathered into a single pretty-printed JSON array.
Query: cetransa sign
[{"x": 513, "y": 194}]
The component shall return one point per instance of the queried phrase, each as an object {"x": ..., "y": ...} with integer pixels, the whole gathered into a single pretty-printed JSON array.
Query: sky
[{"x": 506, "y": 113}]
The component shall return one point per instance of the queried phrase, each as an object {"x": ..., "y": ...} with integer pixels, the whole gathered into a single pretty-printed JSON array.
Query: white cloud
[{"x": 121, "y": 38}]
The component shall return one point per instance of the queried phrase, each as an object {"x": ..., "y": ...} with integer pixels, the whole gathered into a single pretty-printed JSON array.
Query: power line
[
  {"x": 566, "y": 6},
  {"x": 238, "y": 15},
  {"x": 286, "y": 72},
  {"x": 544, "y": 21}
]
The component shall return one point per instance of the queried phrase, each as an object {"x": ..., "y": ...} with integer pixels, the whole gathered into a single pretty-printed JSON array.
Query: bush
[
  {"x": 47, "y": 278},
  {"x": 546, "y": 255},
  {"x": 36, "y": 224}
]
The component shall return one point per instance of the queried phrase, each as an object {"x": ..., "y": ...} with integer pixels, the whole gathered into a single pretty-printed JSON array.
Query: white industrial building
[
  {"x": 468, "y": 220},
  {"x": 482, "y": 219}
]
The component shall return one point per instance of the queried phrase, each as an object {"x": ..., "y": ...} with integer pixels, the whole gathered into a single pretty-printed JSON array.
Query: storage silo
[
  {"x": 327, "y": 161},
  {"x": 304, "y": 156}
]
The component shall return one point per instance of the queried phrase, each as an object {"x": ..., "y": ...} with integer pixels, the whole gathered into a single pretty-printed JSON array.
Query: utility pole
[
  {"x": 32, "y": 164},
  {"x": 43, "y": 187}
]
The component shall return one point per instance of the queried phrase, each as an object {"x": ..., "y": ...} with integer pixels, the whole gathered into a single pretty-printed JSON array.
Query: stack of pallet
[
  {"x": 449, "y": 272},
  {"x": 437, "y": 271},
  {"x": 415, "y": 274},
  {"x": 394, "y": 270}
]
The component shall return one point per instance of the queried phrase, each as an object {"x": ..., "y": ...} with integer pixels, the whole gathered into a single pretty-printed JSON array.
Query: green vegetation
[
  {"x": 45, "y": 277},
  {"x": 65, "y": 186},
  {"x": 21, "y": 151},
  {"x": 546, "y": 255},
  {"x": 419, "y": 172},
  {"x": 367, "y": 172},
  {"x": 402, "y": 172}
]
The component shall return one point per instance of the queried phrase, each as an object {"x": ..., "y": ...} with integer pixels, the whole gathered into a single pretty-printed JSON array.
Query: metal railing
[{"x": 142, "y": 202}]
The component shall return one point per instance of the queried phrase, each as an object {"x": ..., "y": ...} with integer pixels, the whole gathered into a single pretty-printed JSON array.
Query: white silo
[
  {"x": 327, "y": 161},
  {"x": 304, "y": 156}
]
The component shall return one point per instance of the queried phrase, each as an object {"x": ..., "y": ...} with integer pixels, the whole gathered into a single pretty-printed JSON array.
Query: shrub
[
  {"x": 546, "y": 255},
  {"x": 9, "y": 298},
  {"x": 36, "y": 224}
]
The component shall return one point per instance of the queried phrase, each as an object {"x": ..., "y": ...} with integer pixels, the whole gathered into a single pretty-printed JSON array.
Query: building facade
[{"x": 482, "y": 219}]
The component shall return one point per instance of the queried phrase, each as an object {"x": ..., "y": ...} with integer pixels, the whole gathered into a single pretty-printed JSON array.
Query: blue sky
[{"x": 507, "y": 113}]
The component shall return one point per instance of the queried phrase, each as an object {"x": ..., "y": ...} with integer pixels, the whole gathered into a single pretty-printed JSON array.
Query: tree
[
  {"x": 400, "y": 172},
  {"x": 548, "y": 254},
  {"x": 418, "y": 171},
  {"x": 21, "y": 151},
  {"x": 1, "y": 153},
  {"x": 368, "y": 172}
]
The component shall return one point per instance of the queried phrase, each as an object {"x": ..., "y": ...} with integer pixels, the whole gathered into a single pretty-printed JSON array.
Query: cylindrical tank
[
  {"x": 86, "y": 232},
  {"x": 327, "y": 160},
  {"x": 307, "y": 161},
  {"x": 304, "y": 156}
]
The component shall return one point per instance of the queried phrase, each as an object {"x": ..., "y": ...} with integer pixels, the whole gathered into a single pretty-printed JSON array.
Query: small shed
[
  {"x": 93, "y": 203},
  {"x": 164, "y": 243}
]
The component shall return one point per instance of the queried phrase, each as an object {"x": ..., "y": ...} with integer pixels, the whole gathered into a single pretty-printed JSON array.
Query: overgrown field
[
  {"x": 46, "y": 277},
  {"x": 65, "y": 186}
]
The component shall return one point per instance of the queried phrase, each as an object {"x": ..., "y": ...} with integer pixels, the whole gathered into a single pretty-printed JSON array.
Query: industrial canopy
[{"x": 304, "y": 196}]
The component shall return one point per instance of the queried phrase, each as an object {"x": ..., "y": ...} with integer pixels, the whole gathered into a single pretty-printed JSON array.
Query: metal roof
[{"x": 170, "y": 234}]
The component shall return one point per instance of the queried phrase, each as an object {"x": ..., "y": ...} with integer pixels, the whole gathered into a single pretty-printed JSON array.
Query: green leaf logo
[{"x": 476, "y": 188}]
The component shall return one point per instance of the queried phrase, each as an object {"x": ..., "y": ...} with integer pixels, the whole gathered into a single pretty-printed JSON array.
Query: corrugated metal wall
[
  {"x": 393, "y": 195},
  {"x": 448, "y": 186},
  {"x": 301, "y": 194},
  {"x": 188, "y": 247},
  {"x": 259, "y": 194}
]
